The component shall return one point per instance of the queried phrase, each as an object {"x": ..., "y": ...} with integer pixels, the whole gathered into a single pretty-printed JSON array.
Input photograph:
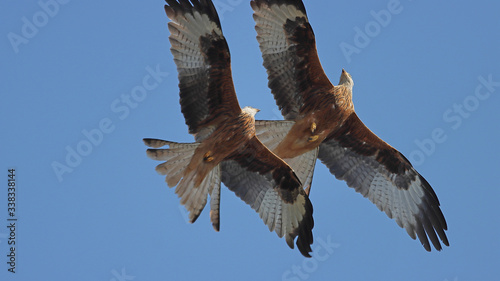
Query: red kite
[
  {"x": 324, "y": 118},
  {"x": 226, "y": 146}
]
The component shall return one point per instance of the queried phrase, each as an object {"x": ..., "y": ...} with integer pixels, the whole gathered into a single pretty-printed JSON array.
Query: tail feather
[
  {"x": 173, "y": 173},
  {"x": 194, "y": 198},
  {"x": 155, "y": 143},
  {"x": 304, "y": 165},
  {"x": 215, "y": 199},
  {"x": 271, "y": 133},
  {"x": 177, "y": 157},
  {"x": 192, "y": 190}
]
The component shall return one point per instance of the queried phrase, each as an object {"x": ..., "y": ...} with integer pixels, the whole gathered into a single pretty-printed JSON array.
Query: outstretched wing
[
  {"x": 378, "y": 171},
  {"x": 288, "y": 48},
  {"x": 203, "y": 61},
  {"x": 272, "y": 189}
]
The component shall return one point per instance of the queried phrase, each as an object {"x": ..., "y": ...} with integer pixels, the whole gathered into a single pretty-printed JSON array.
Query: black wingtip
[
  {"x": 305, "y": 236},
  {"x": 296, "y": 3},
  {"x": 432, "y": 219},
  {"x": 184, "y": 6}
]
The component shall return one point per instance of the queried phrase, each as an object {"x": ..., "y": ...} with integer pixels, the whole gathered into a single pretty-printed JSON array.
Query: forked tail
[
  {"x": 271, "y": 133},
  {"x": 177, "y": 158}
]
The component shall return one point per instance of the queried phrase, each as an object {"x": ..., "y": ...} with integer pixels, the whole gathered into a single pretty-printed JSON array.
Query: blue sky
[{"x": 83, "y": 83}]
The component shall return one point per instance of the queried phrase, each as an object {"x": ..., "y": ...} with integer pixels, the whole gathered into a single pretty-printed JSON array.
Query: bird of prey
[
  {"x": 226, "y": 147},
  {"x": 322, "y": 117}
]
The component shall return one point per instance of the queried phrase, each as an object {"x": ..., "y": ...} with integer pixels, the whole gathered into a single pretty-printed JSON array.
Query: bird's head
[
  {"x": 346, "y": 79},
  {"x": 250, "y": 110}
]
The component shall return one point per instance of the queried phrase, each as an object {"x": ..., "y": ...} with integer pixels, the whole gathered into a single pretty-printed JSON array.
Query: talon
[
  {"x": 313, "y": 138},
  {"x": 207, "y": 157},
  {"x": 313, "y": 127}
]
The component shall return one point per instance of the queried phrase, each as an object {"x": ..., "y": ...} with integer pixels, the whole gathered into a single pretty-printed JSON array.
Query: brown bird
[
  {"x": 323, "y": 118},
  {"x": 226, "y": 146}
]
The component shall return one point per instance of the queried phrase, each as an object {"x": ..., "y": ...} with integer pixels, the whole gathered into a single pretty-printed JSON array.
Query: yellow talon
[
  {"x": 313, "y": 127},
  {"x": 313, "y": 138},
  {"x": 207, "y": 157}
]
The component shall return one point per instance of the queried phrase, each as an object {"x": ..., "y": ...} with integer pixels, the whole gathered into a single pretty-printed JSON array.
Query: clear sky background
[{"x": 78, "y": 93}]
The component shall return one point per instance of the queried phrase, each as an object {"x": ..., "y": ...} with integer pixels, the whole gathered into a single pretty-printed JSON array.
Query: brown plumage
[
  {"x": 226, "y": 146},
  {"x": 325, "y": 119}
]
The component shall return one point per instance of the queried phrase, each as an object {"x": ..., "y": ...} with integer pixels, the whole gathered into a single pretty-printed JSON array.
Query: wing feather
[
  {"x": 383, "y": 175},
  {"x": 203, "y": 62},
  {"x": 288, "y": 48},
  {"x": 269, "y": 186}
]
